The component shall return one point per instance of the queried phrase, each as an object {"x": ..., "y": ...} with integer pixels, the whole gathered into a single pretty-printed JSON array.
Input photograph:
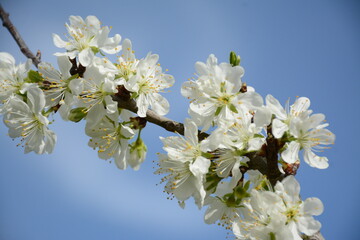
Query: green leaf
[
  {"x": 77, "y": 114},
  {"x": 34, "y": 76},
  {"x": 233, "y": 108}
]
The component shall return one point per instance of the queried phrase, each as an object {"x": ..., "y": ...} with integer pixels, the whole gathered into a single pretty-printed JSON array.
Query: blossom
[
  {"x": 299, "y": 213},
  {"x": 111, "y": 138},
  {"x": 86, "y": 38},
  {"x": 12, "y": 76},
  {"x": 96, "y": 95},
  {"x": 280, "y": 213},
  {"x": 59, "y": 86},
  {"x": 26, "y": 120},
  {"x": 127, "y": 62},
  {"x": 216, "y": 93},
  {"x": 148, "y": 81},
  {"x": 185, "y": 165},
  {"x": 309, "y": 134},
  {"x": 284, "y": 116}
]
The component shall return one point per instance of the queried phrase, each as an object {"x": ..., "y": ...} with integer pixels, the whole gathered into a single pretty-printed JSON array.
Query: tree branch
[
  {"x": 151, "y": 116},
  {"x": 18, "y": 39}
]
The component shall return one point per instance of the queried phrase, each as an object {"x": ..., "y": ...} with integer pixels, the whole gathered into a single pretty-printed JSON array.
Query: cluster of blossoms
[
  {"x": 216, "y": 171},
  {"x": 84, "y": 87},
  {"x": 219, "y": 171}
]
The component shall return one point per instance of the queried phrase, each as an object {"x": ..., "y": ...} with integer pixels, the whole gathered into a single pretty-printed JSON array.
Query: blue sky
[{"x": 288, "y": 48}]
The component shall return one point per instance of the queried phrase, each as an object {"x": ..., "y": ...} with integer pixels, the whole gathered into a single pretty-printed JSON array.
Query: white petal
[
  {"x": 279, "y": 128},
  {"x": 200, "y": 166},
  {"x": 301, "y": 105},
  {"x": 6, "y": 60},
  {"x": 315, "y": 161},
  {"x": 308, "y": 225},
  {"x": 290, "y": 155},
  {"x": 191, "y": 132},
  {"x": 36, "y": 99},
  {"x": 159, "y": 104},
  {"x": 313, "y": 206},
  {"x": 142, "y": 104},
  {"x": 58, "y": 41},
  {"x": 262, "y": 117},
  {"x": 275, "y": 107},
  {"x": 64, "y": 66},
  {"x": 86, "y": 56},
  {"x": 291, "y": 187}
]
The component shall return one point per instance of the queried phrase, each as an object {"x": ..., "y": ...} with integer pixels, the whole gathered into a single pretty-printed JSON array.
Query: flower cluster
[
  {"x": 216, "y": 171},
  {"x": 242, "y": 171},
  {"x": 84, "y": 87}
]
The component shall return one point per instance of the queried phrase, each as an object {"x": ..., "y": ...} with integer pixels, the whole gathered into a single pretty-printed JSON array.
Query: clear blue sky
[{"x": 288, "y": 48}]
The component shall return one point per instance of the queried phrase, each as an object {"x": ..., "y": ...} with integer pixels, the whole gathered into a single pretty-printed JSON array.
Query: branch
[
  {"x": 151, "y": 116},
  {"x": 18, "y": 39}
]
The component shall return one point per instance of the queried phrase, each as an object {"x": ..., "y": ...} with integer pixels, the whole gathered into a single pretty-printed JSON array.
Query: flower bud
[{"x": 137, "y": 153}]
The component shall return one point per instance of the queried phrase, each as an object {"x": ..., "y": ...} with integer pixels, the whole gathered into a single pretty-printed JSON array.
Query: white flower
[
  {"x": 11, "y": 76},
  {"x": 284, "y": 116},
  {"x": 59, "y": 86},
  {"x": 216, "y": 93},
  {"x": 111, "y": 139},
  {"x": 148, "y": 81},
  {"x": 96, "y": 95},
  {"x": 185, "y": 164},
  {"x": 280, "y": 214},
  {"x": 264, "y": 219},
  {"x": 26, "y": 121},
  {"x": 310, "y": 134},
  {"x": 224, "y": 207},
  {"x": 86, "y": 38},
  {"x": 299, "y": 213},
  {"x": 127, "y": 62}
]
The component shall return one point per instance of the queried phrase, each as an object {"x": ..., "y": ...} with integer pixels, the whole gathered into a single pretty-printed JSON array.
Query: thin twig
[{"x": 18, "y": 39}]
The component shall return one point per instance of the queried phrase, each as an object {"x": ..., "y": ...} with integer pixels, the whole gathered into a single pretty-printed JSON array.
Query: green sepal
[
  {"x": 73, "y": 77},
  {"x": 258, "y": 135},
  {"x": 77, "y": 114},
  {"x": 212, "y": 180},
  {"x": 218, "y": 110},
  {"x": 134, "y": 95},
  {"x": 95, "y": 49},
  {"x": 233, "y": 108},
  {"x": 207, "y": 155},
  {"x": 34, "y": 77},
  {"x": 244, "y": 164},
  {"x": 241, "y": 192},
  {"x": 222, "y": 87},
  {"x": 272, "y": 236}
]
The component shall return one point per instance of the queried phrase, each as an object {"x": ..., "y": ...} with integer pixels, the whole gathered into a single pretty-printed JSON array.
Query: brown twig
[
  {"x": 18, "y": 39},
  {"x": 151, "y": 116}
]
